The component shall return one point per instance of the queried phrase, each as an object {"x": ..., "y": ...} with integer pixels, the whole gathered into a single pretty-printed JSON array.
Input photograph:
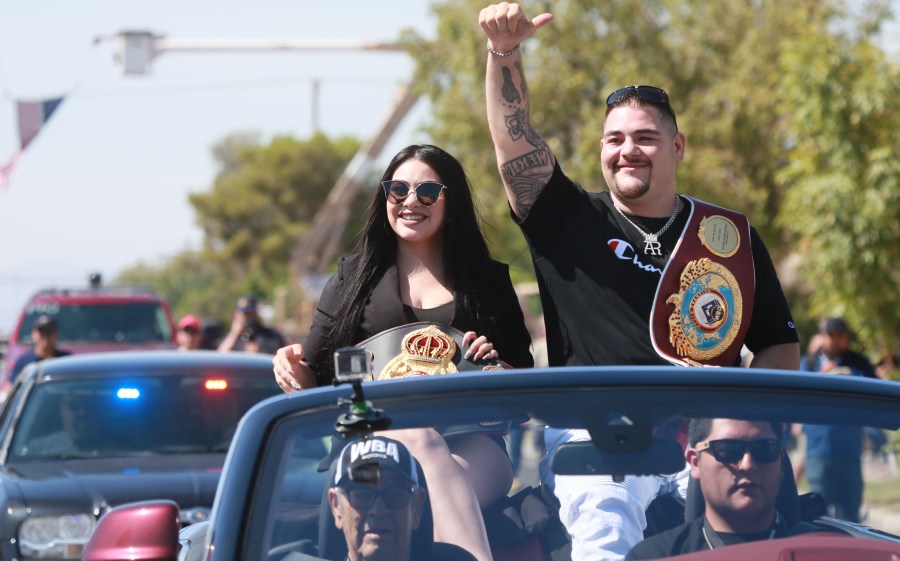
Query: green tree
[
  {"x": 737, "y": 75},
  {"x": 264, "y": 199},
  {"x": 844, "y": 176},
  {"x": 262, "y": 202},
  {"x": 193, "y": 282}
]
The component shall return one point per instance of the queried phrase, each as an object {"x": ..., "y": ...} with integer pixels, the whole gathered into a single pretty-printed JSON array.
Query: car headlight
[
  {"x": 61, "y": 536},
  {"x": 193, "y": 515}
]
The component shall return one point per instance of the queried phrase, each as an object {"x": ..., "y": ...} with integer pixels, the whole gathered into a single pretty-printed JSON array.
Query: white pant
[{"x": 604, "y": 518}]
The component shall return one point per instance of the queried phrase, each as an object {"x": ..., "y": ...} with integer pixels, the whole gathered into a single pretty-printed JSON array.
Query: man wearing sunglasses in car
[
  {"x": 635, "y": 275},
  {"x": 376, "y": 499},
  {"x": 738, "y": 465}
]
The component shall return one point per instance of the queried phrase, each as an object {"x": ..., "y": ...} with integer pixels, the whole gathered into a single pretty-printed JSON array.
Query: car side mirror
[{"x": 136, "y": 531}]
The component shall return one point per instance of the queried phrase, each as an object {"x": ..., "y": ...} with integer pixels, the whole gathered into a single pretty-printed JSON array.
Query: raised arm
[{"x": 523, "y": 157}]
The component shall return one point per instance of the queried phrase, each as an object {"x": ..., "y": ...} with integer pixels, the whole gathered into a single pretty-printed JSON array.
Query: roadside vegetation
[{"x": 790, "y": 109}]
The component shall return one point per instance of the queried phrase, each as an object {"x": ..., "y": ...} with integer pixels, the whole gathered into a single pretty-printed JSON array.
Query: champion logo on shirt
[{"x": 625, "y": 251}]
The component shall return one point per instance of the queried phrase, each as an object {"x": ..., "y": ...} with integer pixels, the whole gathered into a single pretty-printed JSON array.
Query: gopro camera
[{"x": 352, "y": 364}]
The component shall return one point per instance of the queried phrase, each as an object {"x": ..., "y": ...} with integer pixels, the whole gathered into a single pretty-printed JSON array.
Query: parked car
[
  {"x": 94, "y": 319},
  {"x": 82, "y": 434},
  {"x": 270, "y": 496}
]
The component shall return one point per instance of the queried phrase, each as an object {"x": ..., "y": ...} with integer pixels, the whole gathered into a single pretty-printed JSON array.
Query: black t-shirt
[
  {"x": 686, "y": 538},
  {"x": 689, "y": 538},
  {"x": 597, "y": 285},
  {"x": 28, "y": 358}
]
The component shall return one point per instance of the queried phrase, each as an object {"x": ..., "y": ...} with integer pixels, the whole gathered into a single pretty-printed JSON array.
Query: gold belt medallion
[
  {"x": 708, "y": 310},
  {"x": 424, "y": 352}
]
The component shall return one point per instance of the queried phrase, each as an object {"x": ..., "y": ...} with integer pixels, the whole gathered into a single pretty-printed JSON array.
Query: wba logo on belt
[{"x": 704, "y": 301}]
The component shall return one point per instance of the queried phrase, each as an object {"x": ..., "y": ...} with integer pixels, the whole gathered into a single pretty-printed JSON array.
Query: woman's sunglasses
[
  {"x": 731, "y": 451},
  {"x": 427, "y": 192}
]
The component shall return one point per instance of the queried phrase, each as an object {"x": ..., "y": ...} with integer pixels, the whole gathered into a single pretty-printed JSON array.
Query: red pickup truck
[{"x": 94, "y": 319}]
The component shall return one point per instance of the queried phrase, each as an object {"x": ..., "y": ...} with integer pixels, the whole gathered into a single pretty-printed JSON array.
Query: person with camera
[{"x": 248, "y": 331}]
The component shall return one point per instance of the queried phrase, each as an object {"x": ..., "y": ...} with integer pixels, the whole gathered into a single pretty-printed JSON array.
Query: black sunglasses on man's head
[
  {"x": 650, "y": 94},
  {"x": 731, "y": 451}
]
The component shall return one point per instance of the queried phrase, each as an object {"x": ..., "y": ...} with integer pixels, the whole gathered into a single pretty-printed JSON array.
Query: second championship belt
[{"x": 704, "y": 301}]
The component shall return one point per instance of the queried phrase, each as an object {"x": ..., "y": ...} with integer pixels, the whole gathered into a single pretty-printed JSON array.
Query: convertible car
[{"x": 269, "y": 503}]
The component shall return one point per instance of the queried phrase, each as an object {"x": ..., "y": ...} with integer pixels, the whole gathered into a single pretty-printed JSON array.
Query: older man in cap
[
  {"x": 44, "y": 334},
  {"x": 833, "y": 464},
  {"x": 376, "y": 499}
]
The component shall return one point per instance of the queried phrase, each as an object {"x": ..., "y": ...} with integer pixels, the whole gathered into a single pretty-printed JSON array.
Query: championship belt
[
  {"x": 425, "y": 349},
  {"x": 421, "y": 349},
  {"x": 704, "y": 301}
]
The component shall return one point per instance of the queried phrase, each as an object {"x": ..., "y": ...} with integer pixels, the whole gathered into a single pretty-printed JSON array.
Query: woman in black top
[{"x": 422, "y": 257}]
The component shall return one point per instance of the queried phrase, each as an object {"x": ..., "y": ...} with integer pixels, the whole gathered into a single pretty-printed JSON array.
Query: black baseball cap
[
  {"x": 835, "y": 325},
  {"x": 363, "y": 461},
  {"x": 44, "y": 323},
  {"x": 246, "y": 303}
]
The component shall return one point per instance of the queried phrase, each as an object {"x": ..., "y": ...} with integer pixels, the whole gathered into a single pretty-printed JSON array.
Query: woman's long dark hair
[{"x": 465, "y": 251}]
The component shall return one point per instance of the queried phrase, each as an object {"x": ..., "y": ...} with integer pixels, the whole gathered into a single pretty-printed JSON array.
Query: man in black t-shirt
[
  {"x": 738, "y": 465},
  {"x": 599, "y": 257}
]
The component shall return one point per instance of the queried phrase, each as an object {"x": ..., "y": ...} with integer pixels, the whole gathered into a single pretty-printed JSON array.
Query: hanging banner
[{"x": 32, "y": 115}]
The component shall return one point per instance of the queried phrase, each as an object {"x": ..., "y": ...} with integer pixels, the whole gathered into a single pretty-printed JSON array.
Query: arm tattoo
[
  {"x": 508, "y": 90},
  {"x": 518, "y": 174},
  {"x": 527, "y": 190},
  {"x": 522, "y": 85},
  {"x": 516, "y": 124},
  {"x": 520, "y": 166},
  {"x": 527, "y": 175}
]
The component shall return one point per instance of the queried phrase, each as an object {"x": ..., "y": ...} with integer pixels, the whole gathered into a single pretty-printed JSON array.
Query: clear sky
[{"x": 105, "y": 183}]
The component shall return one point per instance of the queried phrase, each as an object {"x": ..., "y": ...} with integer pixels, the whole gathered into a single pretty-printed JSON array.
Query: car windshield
[
  {"x": 597, "y": 435},
  {"x": 122, "y": 322},
  {"x": 141, "y": 414}
]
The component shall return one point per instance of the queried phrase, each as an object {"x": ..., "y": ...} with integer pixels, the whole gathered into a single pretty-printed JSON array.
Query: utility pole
[
  {"x": 320, "y": 246},
  {"x": 136, "y": 51}
]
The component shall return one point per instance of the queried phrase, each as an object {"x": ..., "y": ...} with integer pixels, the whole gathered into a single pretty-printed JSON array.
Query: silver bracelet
[{"x": 490, "y": 48}]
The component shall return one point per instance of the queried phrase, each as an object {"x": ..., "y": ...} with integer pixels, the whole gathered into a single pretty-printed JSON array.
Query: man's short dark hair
[
  {"x": 632, "y": 96},
  {"x": 44, "y": 324},
  {"x": 835, "y": 325},
  {"x": 699, "y": 429}
]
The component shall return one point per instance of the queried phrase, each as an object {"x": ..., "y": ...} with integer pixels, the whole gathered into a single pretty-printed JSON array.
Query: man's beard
[{"x": 636, "y": 190}]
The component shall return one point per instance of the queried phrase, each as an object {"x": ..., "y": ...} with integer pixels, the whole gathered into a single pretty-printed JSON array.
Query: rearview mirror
[{"x": 583, "y": 458}]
